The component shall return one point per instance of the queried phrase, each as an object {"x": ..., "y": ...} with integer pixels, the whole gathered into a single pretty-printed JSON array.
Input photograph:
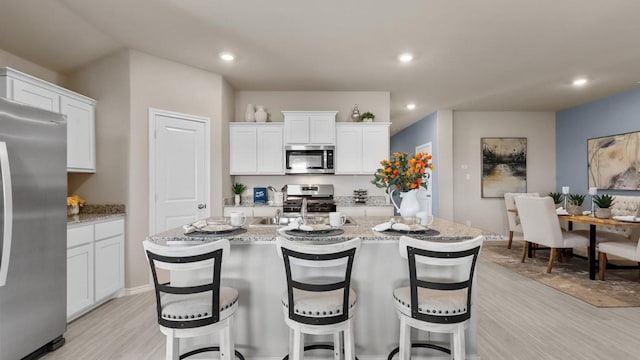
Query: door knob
[{"x": 202, "y": 206}]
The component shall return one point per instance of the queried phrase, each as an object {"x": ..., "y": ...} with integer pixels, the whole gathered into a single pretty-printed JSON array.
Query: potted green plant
[
  {"x": 557, "y": 198},
  {"x": 575, "y": 204},
  {"x": 237, "y": 189},
  {"x": 367, "y": 117},
  {"x": 603, "y": 202}
]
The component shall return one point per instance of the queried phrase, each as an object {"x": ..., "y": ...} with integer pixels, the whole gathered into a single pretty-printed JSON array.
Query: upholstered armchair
[
  {"x": 514, "y": 220},
  {"x": 541, "y": 226}
]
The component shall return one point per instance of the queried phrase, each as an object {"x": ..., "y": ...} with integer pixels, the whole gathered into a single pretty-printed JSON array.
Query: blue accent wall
[
  {"x": 419, "y": 133},
  {"x": 609, "y": 116}
]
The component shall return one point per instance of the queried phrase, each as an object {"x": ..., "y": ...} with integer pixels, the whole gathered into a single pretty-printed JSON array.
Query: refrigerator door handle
[{"x": 7, "y": 205}]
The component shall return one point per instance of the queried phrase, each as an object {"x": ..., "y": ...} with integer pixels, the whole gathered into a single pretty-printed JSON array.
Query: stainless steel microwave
[{"x": 309, "y": 159}]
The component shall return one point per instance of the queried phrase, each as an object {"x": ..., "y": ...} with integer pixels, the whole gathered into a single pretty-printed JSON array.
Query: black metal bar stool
[
  {"x": 198, "y": 307},
  {"x": 438, "y": 298},
  {"x": 319, "y": 299}
]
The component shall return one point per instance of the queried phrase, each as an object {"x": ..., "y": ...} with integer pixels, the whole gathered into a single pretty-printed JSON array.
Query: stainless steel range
[{"x": 319, "y": 198}]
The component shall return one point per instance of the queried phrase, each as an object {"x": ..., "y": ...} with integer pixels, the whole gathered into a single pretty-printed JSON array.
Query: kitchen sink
[{"x": 285, "y": 220}]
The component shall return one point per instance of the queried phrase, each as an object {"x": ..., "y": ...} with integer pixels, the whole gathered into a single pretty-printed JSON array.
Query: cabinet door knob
[{"x": 202, "y": 206}]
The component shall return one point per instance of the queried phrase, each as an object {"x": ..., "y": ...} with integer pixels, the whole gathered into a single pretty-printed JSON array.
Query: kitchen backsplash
[
  {"x": 103, "y": 209},
  {"x": 340, "y": 201}
]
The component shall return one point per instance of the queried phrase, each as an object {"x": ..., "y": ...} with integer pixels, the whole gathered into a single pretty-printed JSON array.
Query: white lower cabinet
[
  {"x": 95, "y": 265},
  {"x": 257, "y": 211},
  {"x": 351, "y": 210},
  {"x": 379, "y": 211},
  {"x": 79, "y": 279},
  {"x": 269, "y": 211},
  {"x": 248, "y": 211},
  {"x": 109, "y": 258},
  {"x": 366, "y": 210}
]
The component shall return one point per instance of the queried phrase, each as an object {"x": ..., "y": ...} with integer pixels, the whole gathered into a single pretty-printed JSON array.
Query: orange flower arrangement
[{"x": 403, "y": 172}]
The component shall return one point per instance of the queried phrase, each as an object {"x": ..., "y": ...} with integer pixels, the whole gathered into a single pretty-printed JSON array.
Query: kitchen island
[{"x": 255, "y": 270}]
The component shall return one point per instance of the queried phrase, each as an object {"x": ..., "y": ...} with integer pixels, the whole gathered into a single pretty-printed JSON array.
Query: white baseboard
[{"x": 136, "y": 290}]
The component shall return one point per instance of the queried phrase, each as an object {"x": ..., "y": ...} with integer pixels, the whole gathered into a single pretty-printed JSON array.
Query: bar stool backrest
[
  {"x": 318, "y": 268},
  {"x": 192, "y": 262},
  {"x": 438, "y": 267}
]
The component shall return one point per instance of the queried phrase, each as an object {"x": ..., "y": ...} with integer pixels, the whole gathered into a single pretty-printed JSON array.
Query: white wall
[
  {"x": 126, "y": 85},
  {"x": 445, "y": 143},
  {"x": 376, "y": 102},
  {"x": 468, "y": 128},
  {"x": 166, "y": 85},
  {"x": 33, "y": 69},
  {"x": 107, "y": 81}
]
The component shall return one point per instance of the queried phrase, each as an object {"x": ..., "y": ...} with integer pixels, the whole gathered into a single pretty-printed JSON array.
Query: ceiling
[{"x": 482, "y": 55}]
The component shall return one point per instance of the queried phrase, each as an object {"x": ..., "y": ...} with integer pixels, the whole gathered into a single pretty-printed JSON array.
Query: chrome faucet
[
  {"x": 303, "y": 209},
  {"x": 278, "y": 215}
]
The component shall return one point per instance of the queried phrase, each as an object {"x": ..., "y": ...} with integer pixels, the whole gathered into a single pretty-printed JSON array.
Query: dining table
[{"x": 593, "y": 223}]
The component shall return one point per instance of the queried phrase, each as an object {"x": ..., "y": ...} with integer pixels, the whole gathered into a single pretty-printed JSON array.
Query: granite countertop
[
  {"x": 262, "y": 234},
  {"x": 89, "y": 213}
]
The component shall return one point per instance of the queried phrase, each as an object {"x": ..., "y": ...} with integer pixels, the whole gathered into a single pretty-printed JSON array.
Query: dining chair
[
  {"x": 629, "y": 249},
  {"x": 319, "y": 299},
  {"x": 541, "y": 226},
  {"x": 438, "y": 298},
  {"x": 198, "y": 305},
  {"x": 512, "y": 216}
]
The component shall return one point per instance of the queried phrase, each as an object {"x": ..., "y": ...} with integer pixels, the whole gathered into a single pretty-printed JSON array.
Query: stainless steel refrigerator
[{"x": 33, "y": 270}]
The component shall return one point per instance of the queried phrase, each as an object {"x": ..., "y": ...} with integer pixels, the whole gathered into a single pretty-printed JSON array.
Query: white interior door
[
  {"x": 179, "y": 169},
  {"x": 424, "y": 196}
]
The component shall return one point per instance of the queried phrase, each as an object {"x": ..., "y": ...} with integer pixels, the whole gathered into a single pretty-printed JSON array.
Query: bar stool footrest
[
  {"x": 314, "y": 347},
  {"x": 420, "y": 345},
  {"x": 207, "y": 349}
]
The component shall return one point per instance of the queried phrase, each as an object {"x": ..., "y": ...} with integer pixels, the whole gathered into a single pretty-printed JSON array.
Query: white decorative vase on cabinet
[
  {"x": 261, "y": 115},
  {"x": 250, "y": 114}
]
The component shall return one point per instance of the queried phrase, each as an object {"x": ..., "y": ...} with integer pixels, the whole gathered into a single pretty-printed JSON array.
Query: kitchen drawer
[
  {"x": 79, "y": 235},
  {"x": 109, "y": 229}
]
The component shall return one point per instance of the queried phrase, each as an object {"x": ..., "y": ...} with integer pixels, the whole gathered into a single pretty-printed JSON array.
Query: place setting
[
  {"x": 217, "y": 226},
  {"x": 315, "y": 226},
  {"x": 417, "y": 226}
]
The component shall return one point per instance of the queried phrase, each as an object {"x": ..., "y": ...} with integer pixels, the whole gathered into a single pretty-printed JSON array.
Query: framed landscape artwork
[
  {"x": 504, "y": 166},
  {"x": 614, "y": 161}
]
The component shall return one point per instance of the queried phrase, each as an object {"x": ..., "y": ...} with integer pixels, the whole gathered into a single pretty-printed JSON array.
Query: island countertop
[
  {"x": 254, "y": 269},
  {"x": 362, "y": 229}
]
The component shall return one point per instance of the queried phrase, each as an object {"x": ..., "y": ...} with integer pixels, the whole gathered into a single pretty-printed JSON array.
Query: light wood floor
[{"x": 519, "y": 319}]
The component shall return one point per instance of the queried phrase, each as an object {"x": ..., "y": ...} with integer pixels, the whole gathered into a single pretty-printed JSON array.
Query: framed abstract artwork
[
  {"x": 614, "y": 161},
  {"x": 504, "y": 166}
]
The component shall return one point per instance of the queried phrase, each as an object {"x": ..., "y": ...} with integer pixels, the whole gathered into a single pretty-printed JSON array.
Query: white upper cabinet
[
  {"x": 34, "y": 95},
  {"x": 81, "y": 149},
  {"x": 256, "y": 149},
  {"x": 360, "y": 147},
  {"x": 243, "y": 144},
  {"x": 270, "y": 150},
  {"x": 348, "y": 149},
  {"x": 309, "y": 127},
  {"x": 80, "y": 111}
]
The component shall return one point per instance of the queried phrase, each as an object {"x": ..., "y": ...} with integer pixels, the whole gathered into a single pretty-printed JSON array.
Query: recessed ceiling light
[
  {"x": 411, "y": 106},
  {"x": 405, "y": 58},
  {"x": 227, "y": 56},
  {"x": 579, "y": 82}
]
